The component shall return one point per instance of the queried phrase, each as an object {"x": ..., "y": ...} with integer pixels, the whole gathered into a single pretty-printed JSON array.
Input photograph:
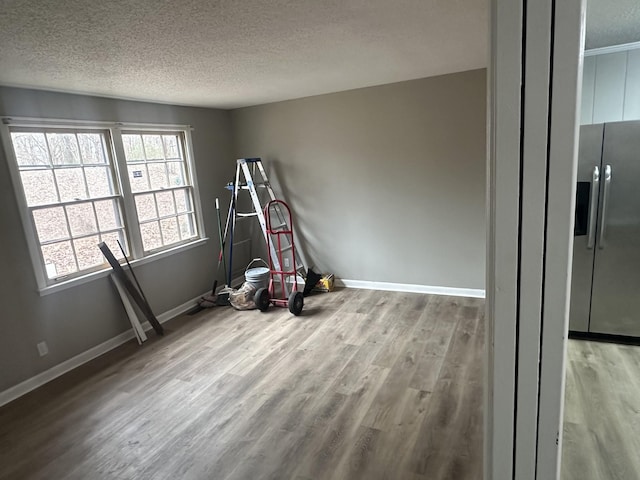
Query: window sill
[{"x": 90, "y": 277}]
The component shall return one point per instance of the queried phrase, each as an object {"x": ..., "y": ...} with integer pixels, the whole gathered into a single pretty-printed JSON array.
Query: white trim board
[
  {"x": 535, "y": 45},
  {"x": 60, "y": 369},
  {"x": 411, "y": 288},
  {"x": 625, "y": 47}
]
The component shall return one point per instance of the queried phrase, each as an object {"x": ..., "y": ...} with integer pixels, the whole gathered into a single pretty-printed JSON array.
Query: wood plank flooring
[
  {"x": 364, "y": 385},
  {"x": 602, "y": 412}
]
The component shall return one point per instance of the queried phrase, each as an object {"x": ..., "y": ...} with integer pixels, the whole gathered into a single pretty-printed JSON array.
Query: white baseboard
[
  {"x": 37, "y": 381},
  {"x": 34, "y": 382},
  {"x": 411, "y": 288}
]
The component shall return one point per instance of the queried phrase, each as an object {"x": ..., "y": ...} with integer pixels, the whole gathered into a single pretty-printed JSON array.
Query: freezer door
[
  {"x": 615, "y": 302},
  {"x": 589, "y": 155}
]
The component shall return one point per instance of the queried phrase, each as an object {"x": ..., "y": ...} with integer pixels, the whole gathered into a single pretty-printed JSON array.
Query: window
[
  {"x": 78, "y": 190},
  {"x": 157, "y": 173}
]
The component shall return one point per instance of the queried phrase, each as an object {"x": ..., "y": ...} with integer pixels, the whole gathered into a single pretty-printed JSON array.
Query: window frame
[
  {"x": 188, "y": 185},
  {"x": 122, "y": 188}
]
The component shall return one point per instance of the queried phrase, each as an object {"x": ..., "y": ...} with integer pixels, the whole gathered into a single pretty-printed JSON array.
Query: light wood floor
[
  {"x": 364, "y": 385},
  {"x": 602, "y": 412}
]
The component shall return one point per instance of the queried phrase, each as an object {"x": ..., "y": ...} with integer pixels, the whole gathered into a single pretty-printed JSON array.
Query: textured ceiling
[
  {"x": 612, "y": 22},
  {"x": 231, "y": 53}
]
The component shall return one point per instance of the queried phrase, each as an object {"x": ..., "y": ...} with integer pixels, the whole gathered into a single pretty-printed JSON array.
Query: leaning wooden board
[{"x": 119, "y": 273}]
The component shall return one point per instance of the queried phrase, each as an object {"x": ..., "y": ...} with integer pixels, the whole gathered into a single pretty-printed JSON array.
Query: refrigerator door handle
[
  {"x": 605, "y": 202},
  {"x": 593, "y": 206}
]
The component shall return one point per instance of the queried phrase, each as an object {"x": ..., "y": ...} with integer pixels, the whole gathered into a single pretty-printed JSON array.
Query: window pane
[
  {"x": 64, "y": 148},
  {"x": 150, "y": 236},
  {"x": 51, "y": 224},
  {"x": 58, "y": 259},
  {"x": 176, "y": 174},
  {"x": 111, "y": 239},
  {"x": 108, "y": 214},
  {"x": 71, "y": 165},
  {"x": 165, "y": 203},
  {"x": 39, "y": 187},
  {"x": 138, "y": 178},
  {"x": 98, "y": 182},
  {"x": 171, "y": 146},
  {"x": 71, "y": 184},
  {"x": 153, "y": 147},
  {"x": 133, "y": 150},
  {"x": 89, "y": 255},
  {"x": 169, "y": 228},
  {"x": 186, "y": 225},
  {"x": 92, "y": 148},
  {"x": 81, "y": 219},
  {"x": 157, "y": 175},
  {"x": 30, "y": 148},
  {"x": 183, "y": 201},
  {"x": 146, "y": 207}
]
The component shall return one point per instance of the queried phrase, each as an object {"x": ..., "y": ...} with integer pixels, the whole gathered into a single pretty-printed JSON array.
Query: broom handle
[{"x": 220, "y": 239}]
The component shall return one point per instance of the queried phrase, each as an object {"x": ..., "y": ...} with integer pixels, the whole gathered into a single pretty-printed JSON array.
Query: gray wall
[
  {"x": 82, "y": 317},
  {"x": 386, "y": 183}
]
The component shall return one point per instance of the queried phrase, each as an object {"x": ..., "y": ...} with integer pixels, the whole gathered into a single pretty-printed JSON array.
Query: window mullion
[
  {"x": 131, "y": 222},
  {"x": 175, "y": 209},
  {"x": 95, "y": 216},
  {"x": 71, "y": 239},
  {"x": 83, "y": 169},
  {"x": 155, "y": 201},
  {"x": 53, "y": 170}
]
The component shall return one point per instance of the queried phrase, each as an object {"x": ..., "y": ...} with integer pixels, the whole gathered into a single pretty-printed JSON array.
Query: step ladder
[{"x": 252, "y": 177}]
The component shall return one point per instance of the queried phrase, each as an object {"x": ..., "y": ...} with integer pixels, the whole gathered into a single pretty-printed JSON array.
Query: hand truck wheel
[
  {"x": 262, "y": 299},
  {"x": 296, "y": 302}
]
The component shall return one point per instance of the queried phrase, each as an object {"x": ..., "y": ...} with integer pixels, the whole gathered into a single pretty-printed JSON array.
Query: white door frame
[{"x": 534, "y": 81}]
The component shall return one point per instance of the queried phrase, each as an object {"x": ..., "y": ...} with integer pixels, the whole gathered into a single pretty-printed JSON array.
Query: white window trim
[
  {"x": 45, "y": 286},
  {"x": 90, "y": 277}
]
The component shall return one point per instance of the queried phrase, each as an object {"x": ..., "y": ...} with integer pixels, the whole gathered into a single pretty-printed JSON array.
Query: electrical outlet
[{"x": 43, "y": 349}]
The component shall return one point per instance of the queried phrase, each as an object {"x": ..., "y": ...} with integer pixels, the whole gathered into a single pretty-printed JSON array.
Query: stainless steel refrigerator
[{"x": 605, "y": 289}]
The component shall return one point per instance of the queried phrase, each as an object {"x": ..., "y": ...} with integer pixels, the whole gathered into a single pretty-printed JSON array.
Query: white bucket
[{"x": 259, "y": 276}]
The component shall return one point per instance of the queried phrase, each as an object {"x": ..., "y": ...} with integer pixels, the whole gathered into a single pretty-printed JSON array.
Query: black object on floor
[{"x": 310, "y": 282}]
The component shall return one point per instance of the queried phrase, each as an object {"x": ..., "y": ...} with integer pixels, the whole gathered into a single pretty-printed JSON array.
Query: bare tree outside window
[
  {"x": 68, "y": 184},
  {"x": 163, "y": 197},
  {"x": 78, "y": 193}
]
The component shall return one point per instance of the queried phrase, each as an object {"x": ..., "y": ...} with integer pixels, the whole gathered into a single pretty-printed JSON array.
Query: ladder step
[
  {"x": 246, "y": 187},
  {"x": 244, "y": 215}
]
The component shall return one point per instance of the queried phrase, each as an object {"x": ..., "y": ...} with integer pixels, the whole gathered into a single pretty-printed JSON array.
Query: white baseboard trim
[
  {"x": 37, "y": 381},
  {"x": 411, "y": 288}
]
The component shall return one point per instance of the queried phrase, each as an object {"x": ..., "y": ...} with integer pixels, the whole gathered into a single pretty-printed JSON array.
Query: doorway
[{"x": 602, "y": 406}]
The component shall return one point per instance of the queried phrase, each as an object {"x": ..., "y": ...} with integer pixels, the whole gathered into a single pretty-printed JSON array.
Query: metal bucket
[{"x": 259, "y": 276}]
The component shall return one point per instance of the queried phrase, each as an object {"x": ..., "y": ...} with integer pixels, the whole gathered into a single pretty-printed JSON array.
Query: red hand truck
[{"x": 280, "y": 237}]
